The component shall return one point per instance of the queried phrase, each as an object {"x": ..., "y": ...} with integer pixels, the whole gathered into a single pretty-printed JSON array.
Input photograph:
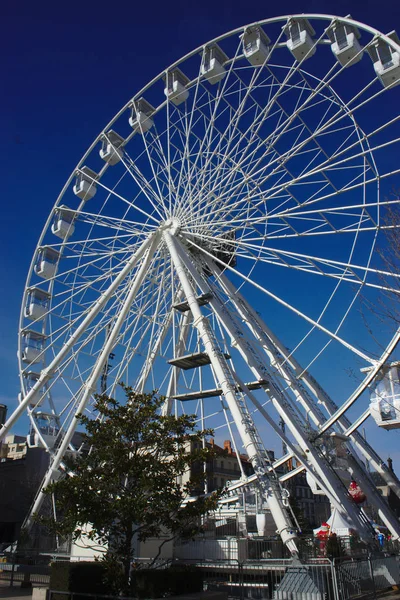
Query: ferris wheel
[{"x": 217, "y": 242}]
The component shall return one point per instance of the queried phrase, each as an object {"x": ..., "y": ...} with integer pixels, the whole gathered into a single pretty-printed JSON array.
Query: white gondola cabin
[
  {"x": 386, "y": 61},
  {"x": 48, "y": 427},
  {"x": 111, "y": 147},
  {"x": 299, "y": 34},
  {"x": 175, "y": 86},
  {"x": 37, "y": 304},
  {"x": 256, "y": 45},
  {"x": 212, "y": 63},
  {"x": 63, "y": 224},
  {"x": 85, "y": 184},
  {"x": 345, "y": 45},
  {"x": 141, "y": 113},
  {"x": 30, "y": 379},
  {"x": 385, "y": 397},
  {"x": 32, "y": 346},
  {"x": 46, "y": 264}
]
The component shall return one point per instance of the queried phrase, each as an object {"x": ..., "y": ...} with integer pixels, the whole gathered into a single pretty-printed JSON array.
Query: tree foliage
[{"x": 130, "y": 480}]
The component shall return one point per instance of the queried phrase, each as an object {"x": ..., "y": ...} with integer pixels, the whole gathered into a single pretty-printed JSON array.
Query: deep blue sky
[{"x": 67, "y": 67}]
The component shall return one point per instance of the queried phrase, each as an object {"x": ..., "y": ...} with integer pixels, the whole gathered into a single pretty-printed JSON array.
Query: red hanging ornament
[{"x": 356, "y": 493}]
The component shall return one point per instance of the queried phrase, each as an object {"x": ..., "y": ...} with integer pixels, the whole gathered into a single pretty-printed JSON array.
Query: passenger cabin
[
  {"x": 63, "y": 224},
  {"x": 48, "y": 427},
  {"x": 111, "y": 147},
  {"x": 30, "y": 379},
  {"x": 386, "y": 61},
  {"x": 141, "y": 113},
  {"x": 212, "y": 63},
  {"x": 385, "y": 397},
  {"x": 37, "y": 304},
  {"x": 300, "y": 41},
  {"x": 85, "y": 184},
  {"x": 175, "y": 86},
  {"x": 46, "y": 264},
  {"x": 256, "y": 46},
  {"x": 32, "y": 346},
  {"x": 345, "y": 45}
]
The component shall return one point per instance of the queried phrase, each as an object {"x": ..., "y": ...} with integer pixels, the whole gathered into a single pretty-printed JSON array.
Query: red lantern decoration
[{"x": 356, "y": 493}]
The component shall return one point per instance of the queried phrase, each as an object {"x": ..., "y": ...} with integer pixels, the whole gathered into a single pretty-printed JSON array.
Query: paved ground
[{"x": 16, "y": 593}]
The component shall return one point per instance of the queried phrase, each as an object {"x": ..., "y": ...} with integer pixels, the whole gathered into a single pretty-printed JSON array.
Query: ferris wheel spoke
[
  {"x": 316, "y": 265},
  {"x": 287, "y": 123},
  {"x": 128, "y": 202},
  {"x": 245, "y": 161},
  {"x": 317, "y": 133},
  {"x": 285, "y": 304},
  {"x": 270, "y": 103},
  {"x": 125, "y": 224},
  {"x": 210, "y": 128}
]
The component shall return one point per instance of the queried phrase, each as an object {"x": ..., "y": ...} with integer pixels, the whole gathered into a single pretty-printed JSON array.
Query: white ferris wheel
[{"x": 218, "y": 239}]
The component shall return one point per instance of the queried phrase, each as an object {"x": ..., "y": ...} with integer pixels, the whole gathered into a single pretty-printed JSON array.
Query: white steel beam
[
  {"x": 47, "y": 373},
  {"x": 268, "y": 339},
  {"x": 316, "y": 463},
  {"x": 90, "y": 386},
  {"x": 236, "y": 404}
]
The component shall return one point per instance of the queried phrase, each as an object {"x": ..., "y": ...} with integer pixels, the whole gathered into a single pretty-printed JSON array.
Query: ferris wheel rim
[{"x": 145, "y": 88}]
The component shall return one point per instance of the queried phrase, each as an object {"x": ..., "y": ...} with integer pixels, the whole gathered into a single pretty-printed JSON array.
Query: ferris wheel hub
[{"x": 173, "y": 225}]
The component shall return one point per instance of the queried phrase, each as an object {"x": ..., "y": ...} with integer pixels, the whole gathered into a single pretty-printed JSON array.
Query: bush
[
  {"x": 84, "y": 577},
  {"x": 158, "y": 583},
  {"x": 90, "y": 578}
]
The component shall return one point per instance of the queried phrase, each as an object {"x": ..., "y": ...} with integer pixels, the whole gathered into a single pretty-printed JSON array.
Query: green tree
[{"x": 130, "y": 482}]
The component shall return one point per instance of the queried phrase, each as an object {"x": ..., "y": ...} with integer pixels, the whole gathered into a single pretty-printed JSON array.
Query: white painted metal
[
  {"x": 345, "y": 45},
  {"x": 85, "y": 185},
  {"x": 33, "y": 346},
  {"x": 244, "y": 181},
  {"x": 37, "y": 304},
  {"x": 176, "y": 371},
  {"x": 280, "y": 356},
  {"x": 111, "y": 148},
  {"x": 48, "y": 372},
  {"x": 141, "y": 112},
  {"x": 212, "y": 66},
  {"x": 63, "y": 224},
  {"x": 175, "y": 86},
  {"x": 337, "y": 492},
  {"x": 47, "y": 261},
  {"x": 386, "y": 60},
  {"x": 300, "y": 43},
  {"x": 237, "y": 406},
  {"x": 255, "y": 45},
  {"x": 385, "y": 397},
  {"x": 90, "y": 386}
]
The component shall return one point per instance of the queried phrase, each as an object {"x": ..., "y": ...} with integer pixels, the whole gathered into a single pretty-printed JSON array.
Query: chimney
[
  {"x": 212, "y": 442},
  {"x": 390, "y": 464},
  {"x": 227, "y": 446}
]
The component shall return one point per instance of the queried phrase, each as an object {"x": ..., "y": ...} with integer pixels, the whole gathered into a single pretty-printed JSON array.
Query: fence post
[
  {"x": 12, "y": 569},
  {"x": 371, "y": 573},
  {"x": 241, "y": 582},
  {"x": 335, "y": 586}
]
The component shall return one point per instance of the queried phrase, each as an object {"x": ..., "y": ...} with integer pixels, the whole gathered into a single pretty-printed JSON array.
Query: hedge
[
  {"x": 152, "y": 583},
  {"x": 88, "y": 578},
  {"x": 84, "y": 577}
]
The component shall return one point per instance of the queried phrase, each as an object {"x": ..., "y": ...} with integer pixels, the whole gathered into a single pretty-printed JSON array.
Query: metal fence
[
  {"x": 243, "y": 571},
  {"x": 26, "y": 568},
  {"x": 323, "y": 579},
  {"x": 317, "y": 579}
]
